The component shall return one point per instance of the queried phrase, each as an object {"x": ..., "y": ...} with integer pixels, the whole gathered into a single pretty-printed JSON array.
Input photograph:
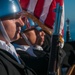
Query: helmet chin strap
[
  {"x": 26, "y": 39},
  {"x": 4, "y": 33}
]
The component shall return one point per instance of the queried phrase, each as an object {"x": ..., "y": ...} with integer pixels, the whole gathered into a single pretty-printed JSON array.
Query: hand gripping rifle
[{"x": 53, "y": 57}]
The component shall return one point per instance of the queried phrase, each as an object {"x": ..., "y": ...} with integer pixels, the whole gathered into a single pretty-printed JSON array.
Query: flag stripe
[
  {"x": 45, "y": 9},
  {"x": 60, "y": 1},
  {"x": 24, "y": 4},
  {"x": 31, "y": 6},
  {"x": 51, "y": 15},
  {"x": 62, "y": 22},
  {"x": 39, "y": 8}
]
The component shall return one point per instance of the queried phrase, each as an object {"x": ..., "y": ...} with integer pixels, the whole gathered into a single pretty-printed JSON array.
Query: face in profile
[
  {"x": 13, "y": 27},
  {"x": 35, "y": 37}
]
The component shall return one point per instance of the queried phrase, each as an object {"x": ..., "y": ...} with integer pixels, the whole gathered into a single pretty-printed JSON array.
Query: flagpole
[{"x": 44, "y": 27}]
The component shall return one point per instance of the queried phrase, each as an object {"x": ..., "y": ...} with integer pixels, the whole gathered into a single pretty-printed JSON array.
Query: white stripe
[
  {"x": 45, "y": 10},
  {"x": 62, "y": 20},
  {"x": 32, "y": 5}
]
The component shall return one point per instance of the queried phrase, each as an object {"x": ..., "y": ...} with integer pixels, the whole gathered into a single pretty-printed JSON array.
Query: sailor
[
  {"x": 29, "y": 47},
  {"x": 32, "y": 38},
  {"x": 10, "y": 26}
]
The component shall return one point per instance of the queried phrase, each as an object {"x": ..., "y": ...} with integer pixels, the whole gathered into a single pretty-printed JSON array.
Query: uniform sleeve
[{"x": 2, "y": 69}]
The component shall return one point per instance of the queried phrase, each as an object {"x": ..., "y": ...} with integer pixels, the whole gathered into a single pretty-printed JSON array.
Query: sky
[{"x": 69, "y": 6}]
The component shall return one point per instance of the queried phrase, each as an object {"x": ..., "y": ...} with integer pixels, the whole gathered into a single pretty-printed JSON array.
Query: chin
[
  {"x": 16, "y": 37},
  {"x": 41, "y": 43}
]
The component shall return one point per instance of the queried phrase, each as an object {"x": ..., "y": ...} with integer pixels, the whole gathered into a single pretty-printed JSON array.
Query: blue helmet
[
  {"x": 9, "y": 8},
  {"x": 30, "y": 24}
]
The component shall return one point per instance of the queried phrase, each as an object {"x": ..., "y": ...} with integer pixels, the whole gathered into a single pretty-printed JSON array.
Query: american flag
[{"x": 44, "y": 11}]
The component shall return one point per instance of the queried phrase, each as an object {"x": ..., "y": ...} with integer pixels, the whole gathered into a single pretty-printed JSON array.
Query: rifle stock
[{"x": 53, "y": 57}]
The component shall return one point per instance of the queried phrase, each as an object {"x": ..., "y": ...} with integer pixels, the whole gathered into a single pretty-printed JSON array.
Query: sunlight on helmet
[{"x": 14, "y": 8}]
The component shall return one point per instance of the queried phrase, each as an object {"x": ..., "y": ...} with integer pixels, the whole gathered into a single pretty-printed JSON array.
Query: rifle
[{"x": 53, "y": 57}]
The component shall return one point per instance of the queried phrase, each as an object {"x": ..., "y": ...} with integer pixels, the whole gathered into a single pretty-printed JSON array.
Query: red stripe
[
  {"x": 39, "y": 8},
  {"x": 60, "y": 1},
  {"x": 51, "y": 15},
  {"x": 24, "y": 4}
]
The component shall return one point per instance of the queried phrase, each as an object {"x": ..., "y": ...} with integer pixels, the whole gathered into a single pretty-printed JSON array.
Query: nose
[
  {"x": 42, "y": 33},
  {"x": 21, "y": 22}
]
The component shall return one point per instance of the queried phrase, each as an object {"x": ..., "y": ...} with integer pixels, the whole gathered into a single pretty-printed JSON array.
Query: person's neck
[
  {"x": 20, "y": 42},
  {"x": 2, "y": 38}
]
